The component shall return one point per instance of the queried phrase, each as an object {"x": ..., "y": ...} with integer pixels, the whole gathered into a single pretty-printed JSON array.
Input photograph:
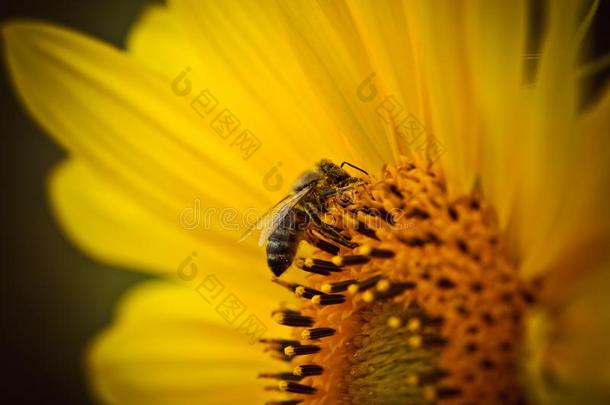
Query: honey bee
[{"x": 285, "y": 224}]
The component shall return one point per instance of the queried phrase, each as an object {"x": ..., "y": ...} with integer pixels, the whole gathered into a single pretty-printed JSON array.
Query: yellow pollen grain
[
  {"x": 353, "y": 289},
  {"x": 305, "y": 334},
  {"x": 289, "y": 351},
  {"x": 309, "y": 262},
  {"x": 326, "y": 288},
  {"x": 299, "y": 291},
  {"x": 337, "y": 260},
  {"x": 282, "y": 385},
  {"x": 368, "y": 296},
  {"x": 415, "y": 341},
  {"x": 412, "y": 379},
  {"x": 383, "y": 285},
  {"x": 364, "y": 250},
  {"x": 315, "y": 299},
  {"x": 413, "y": 325},
  {"x": 394, "y": 322},
  {"x": 297, "y": 371}
]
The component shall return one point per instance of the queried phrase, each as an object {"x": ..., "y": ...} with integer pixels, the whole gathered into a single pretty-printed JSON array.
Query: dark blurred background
[{"x": 54, "y": 299}]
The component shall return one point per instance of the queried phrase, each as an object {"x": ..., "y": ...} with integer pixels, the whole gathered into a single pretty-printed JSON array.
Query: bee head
[{"x": 333, "y": 172}]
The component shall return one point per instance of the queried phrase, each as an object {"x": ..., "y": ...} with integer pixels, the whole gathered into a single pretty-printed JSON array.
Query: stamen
[
  {"x": 291, "y": 318},
  {"x": 285, "y": 284},
  {"x": 296, "y": 388},
  {"x": 365, "y": 230},
  {"x": 337, "y": 287},
  {"x": 314, "y": 270},
  {"x": 301, "y": 350},
  {"x": 278, "y": 344},
  {"x": 364, "y": 285},
  {"x": 377, "y": 212},
  {"x": 281, "y": 376},
  {"x": 317, "y": 266},
  {"x": 328, "y": 299},
  {"x": 325, "y": 264},
  {"x": 391, "y": 291},
  {"x": 382, "y": 253},
  {"x": 394, "y": 190},
  {"x": 350, "y": 260},
  {"x": 306, "y": 370},
  {"x": 317, "y": 333},
  {"x": 418, "y": 213},
  {"x": 366, "y": 250},
  {"x": 306, "y": 292}
]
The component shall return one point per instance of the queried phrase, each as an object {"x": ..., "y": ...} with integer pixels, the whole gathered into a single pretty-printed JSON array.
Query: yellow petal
[
  {"x": 300, "y": 80},
  {"x": 98, "y": 102},
  {"x": 169, "y": 346},
  {"x": 130, "y": 126},
  {"x": 579, "y": 241},
  {"x": 441, "y": 63},
  {"x": 444, "y": 55},
  {"x": 264, "y": 87},
  {"x": 147, "y": 143},
  {"x": 114, "y": 227},
  {"x": 562, "y": 196},
  {"x": 497, "y": 36},
  {"x": 391, "y": 37},
  {"x": 157, "y": 39}
]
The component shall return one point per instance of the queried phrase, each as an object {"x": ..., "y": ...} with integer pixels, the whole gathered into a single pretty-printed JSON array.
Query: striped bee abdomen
[{"x": 282, "y": 243}]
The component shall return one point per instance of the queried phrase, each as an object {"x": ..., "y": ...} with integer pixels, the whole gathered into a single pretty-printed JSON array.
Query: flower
[{"x": 213, "y": 105}]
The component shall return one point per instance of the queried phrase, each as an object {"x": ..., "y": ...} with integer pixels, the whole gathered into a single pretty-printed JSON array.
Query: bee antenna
[{"x": 354, "y": 166}]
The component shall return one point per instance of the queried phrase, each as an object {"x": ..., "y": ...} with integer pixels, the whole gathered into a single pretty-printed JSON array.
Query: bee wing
[
  {"x": 264, "y": 218},
  {"x": 274, "y": 217},
  {"x": 270, "y": 220}
]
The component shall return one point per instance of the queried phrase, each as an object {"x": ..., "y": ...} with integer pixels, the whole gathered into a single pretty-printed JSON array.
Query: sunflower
[{"x": 468, "y": 264}]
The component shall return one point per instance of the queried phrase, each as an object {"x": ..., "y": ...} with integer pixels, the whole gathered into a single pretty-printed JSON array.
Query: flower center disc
[{"x": 422, "y": 306}]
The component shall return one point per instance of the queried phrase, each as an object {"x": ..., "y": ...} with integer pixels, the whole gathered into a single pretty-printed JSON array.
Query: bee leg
[
  {"x": 325, "y": 229},
  {"x": 341, "y": 200},
  {"x": 331, "y": 191},
  {"x": 320, "y": 243},
  {"x": 344, "y": 202}
]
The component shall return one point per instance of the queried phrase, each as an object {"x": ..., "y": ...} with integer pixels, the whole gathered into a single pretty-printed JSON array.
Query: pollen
[{"x": 423, "y": 305}]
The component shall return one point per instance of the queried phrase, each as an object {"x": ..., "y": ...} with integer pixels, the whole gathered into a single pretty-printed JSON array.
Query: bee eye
[{"x": 326, "y": 166}]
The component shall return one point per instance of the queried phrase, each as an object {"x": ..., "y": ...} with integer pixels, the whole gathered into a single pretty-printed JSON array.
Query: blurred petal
[
  {"x": 133, "y": 131},
  {"x": 115, "y": 227},
  {"x": 567, "y": 354},
  {"x": 169, "y": 346},
  {"x": 100, "y": 104},
  {"x": 563, "y": 193}
]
